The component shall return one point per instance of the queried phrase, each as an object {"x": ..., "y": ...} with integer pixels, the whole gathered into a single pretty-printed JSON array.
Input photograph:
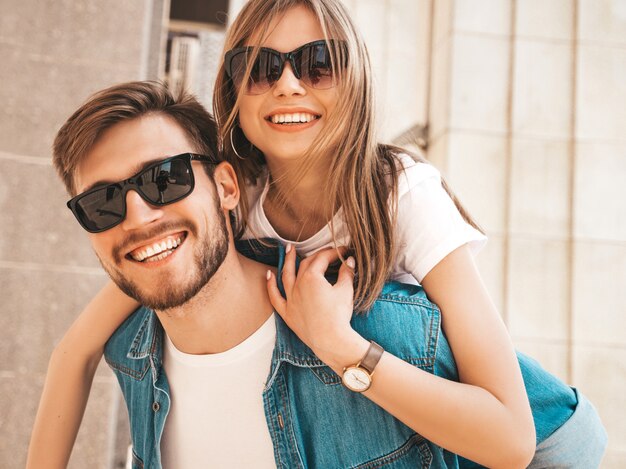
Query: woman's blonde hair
[{"x": 361, "y": 172}]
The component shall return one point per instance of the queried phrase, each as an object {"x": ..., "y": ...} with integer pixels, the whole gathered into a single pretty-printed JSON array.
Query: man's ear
[{"x": 227, "y": 186}]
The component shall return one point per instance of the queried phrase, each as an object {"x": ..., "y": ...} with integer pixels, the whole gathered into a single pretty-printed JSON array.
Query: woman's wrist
[{"x": 347, "y": 349}]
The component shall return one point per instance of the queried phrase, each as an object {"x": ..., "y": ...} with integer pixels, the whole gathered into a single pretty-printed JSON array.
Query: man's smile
[{"x": 158, "y": 249}]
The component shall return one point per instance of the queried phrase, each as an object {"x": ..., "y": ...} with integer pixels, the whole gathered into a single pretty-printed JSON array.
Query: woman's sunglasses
[
  {"x": 161, "y": 183},
  {"x": 312, "y": 63}
]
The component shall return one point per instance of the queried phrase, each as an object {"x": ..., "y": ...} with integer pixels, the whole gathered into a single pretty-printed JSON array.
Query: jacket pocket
[
  {"x": 326, "y": 375},
  {"x": 414, "y": 453}
]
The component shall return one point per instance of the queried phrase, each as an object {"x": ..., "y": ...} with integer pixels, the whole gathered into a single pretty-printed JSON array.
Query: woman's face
[{"x": 262, "y": 117}]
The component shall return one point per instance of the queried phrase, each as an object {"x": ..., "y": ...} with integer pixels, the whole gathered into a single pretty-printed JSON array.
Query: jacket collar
[{"x": 145, "y": 342}]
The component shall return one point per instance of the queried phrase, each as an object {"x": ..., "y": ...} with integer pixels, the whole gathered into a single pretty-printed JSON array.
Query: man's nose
[
  {"x": 139, "y": 213},
  {"x": 288, "y": 84}
]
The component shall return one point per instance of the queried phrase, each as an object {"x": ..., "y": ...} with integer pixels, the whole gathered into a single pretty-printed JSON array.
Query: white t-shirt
[
  {"x": 429, "y": 226},
  {"x": 217, "y": 403}
]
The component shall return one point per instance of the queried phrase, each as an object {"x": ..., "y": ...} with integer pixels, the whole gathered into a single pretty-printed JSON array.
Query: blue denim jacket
[{"x": 315, "y": 422}]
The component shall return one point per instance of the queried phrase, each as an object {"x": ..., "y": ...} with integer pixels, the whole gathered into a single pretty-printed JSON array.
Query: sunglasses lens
[
  {"x": 167, "y": 182},
  {"x": 264, "y": 72},
  {"x": 315, "y": 66},
  {"x": 101, "y": 209}
]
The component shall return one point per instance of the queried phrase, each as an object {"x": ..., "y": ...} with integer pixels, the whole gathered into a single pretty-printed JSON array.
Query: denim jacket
[{"x": 314, "y": 421}]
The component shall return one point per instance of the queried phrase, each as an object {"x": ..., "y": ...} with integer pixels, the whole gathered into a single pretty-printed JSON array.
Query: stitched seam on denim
[
  {"x": 136, "y": 459},
  {"x": 393, "y": 298},
  {"x": 135, "y": 345},
  {"x": 424, "y": 364},
  {"x": 435, "y": 340},
  {"x": 288, "y": 357},
  {"x": 272, "y": 428},
  {"x": 427, "y": 455},
  {"x": 155, "y": 416},
  {"x": 413, "y": 441},
  {"x": 327, "y": 378},
  {"x": 276, "y": 362},
  {"x": 432, "y": 338},
  {"x": 156, "y": 339},
  {"x": 285, "y": 398},
  {"x": 138, "y": 375}
]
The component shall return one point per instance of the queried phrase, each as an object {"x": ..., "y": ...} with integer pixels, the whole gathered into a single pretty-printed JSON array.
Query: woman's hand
[{"x": 318, "y": 312}]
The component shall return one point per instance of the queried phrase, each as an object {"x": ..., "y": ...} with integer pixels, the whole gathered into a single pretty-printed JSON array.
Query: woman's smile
[{"x": 292, "y": 119}]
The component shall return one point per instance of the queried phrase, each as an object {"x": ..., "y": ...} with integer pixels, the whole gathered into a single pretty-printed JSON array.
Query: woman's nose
[{"x": 288, "y": 84}]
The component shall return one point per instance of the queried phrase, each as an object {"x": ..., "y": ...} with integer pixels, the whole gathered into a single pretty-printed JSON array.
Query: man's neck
[{"x": 228, "y": 310}]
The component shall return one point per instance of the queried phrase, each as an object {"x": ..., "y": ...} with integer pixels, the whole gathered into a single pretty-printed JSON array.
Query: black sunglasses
[
  {"x": 312, "y": 63},
  {"x": 161, "y": 183}
]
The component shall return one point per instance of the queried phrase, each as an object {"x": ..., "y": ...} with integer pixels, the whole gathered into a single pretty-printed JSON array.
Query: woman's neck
[{"x": 297, "y": 207}]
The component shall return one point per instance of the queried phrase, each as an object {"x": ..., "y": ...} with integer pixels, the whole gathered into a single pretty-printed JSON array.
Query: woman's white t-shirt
[{"x": 429, "y": 226}]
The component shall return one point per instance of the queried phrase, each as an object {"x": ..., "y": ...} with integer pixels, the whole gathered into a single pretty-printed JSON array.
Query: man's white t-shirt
[
  {"x": 216, "y": 417},
  {"x": 217, "y": 399}
]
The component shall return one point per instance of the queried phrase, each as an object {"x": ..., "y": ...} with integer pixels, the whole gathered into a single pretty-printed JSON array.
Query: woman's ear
[{"x": 227, "y": 185}]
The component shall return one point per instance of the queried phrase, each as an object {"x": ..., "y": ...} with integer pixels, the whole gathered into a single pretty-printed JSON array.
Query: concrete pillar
[{"x": 54, "y": 54}]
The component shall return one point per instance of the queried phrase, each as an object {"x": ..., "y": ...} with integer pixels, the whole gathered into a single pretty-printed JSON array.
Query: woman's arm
[
  {"x": 486, "y": 417},
  {"x": 70, "y": 373}
]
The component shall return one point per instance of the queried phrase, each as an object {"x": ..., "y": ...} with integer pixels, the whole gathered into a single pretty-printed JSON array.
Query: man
[
  {"x": 166, "y": 242},
  {"x": 209, "y": 375}
]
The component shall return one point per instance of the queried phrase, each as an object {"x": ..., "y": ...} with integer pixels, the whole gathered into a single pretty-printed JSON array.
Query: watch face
[{"x": 356, "y": 379}]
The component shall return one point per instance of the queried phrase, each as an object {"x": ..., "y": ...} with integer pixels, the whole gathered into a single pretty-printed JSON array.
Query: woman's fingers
[
  {"x": 289, "y": 270},
  {"x": 345, "y": 278},
  {"x": 277, "y": 300},
  {"x": 318, "y": 263}
]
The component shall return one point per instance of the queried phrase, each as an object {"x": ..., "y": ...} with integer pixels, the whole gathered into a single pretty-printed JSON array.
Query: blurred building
[{"x": 520, "y": 103}]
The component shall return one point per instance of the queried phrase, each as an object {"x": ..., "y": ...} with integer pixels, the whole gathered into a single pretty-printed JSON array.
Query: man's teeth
[
  {"x": 163, "y": 255},
  {"x": 163, "y": 249},
  {"x": 295, "y": 118}
]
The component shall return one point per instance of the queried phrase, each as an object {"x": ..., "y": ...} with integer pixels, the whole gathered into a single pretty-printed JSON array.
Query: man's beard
[{"x": 208, "y": 256}]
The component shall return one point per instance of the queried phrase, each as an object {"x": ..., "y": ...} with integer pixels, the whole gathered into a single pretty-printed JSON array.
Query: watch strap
[{"x": 371, "y": 357}]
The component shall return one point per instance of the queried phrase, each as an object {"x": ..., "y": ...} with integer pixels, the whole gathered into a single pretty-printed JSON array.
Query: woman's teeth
[
  {"x": 295, "y": 118},
  {"x": 157, "y": 251}
]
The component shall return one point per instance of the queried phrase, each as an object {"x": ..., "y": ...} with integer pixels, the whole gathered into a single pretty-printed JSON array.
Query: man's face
[{"x": 161, "y": 256}]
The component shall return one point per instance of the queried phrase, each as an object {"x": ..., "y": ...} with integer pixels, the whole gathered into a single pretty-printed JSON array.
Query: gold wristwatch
[{"x": 358, "y": 378}]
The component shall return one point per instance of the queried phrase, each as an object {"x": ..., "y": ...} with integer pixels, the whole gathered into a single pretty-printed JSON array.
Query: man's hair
[{"x": 124, "y": 102}]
